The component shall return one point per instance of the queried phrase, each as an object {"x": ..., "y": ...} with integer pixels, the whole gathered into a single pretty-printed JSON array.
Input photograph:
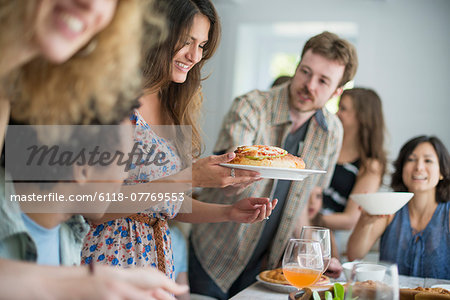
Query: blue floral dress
[{"x": 126, "y": 242}]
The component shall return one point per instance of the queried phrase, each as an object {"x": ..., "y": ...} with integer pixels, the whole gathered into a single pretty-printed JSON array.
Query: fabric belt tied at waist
[{"x": 157, "y": 225}]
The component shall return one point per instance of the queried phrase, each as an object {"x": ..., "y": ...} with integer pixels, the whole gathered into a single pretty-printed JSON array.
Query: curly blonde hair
[{"x": 96, "y": 88}]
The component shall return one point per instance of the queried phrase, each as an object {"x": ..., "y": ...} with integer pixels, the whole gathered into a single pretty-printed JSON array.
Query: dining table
[{"x": 259, "y": 291}]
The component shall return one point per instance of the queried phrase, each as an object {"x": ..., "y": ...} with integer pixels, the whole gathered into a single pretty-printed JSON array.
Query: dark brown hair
[
  {"x": 443, "y": 186},
  {"x": 181, "y": 101},
  {"x": 371, "y": 131},
  {"x": 332, "y": 47}
]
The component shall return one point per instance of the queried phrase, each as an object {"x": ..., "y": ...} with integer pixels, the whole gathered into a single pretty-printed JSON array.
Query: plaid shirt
[{"x": 262, "y": 118}]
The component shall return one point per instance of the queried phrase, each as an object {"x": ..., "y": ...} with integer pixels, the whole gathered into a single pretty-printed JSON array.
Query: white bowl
[
  {"x": 348, "y": 267},
  {"x": 382, "y": 203},
  {"x": 367, "y": 271}
]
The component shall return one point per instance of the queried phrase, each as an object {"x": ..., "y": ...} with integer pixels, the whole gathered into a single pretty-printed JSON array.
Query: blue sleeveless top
[{"x": 423, "y": 254}]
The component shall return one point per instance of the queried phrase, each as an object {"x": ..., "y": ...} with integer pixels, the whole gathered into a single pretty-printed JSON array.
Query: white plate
[
  {"x": 283, "y": 288},
  {"x": 442, "y": 286},
  {"x": 277, "y": 173},
  {"x": 382, "y": 203}
]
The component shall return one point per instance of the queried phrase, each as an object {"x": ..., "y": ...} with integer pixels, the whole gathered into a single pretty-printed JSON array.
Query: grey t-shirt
[{"x": 291, "y": 145}]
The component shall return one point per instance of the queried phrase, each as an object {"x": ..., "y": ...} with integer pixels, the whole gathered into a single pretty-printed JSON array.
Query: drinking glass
[
  {"x": 322, "y": 235},
  {"x": 374, "y": 281},
  {"x": 302, "y": 262}
]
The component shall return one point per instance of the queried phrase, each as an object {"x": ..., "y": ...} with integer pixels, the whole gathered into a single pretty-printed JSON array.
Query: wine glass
[
  {"x": 322, "y": 235},
  {"x": 374, "y": 281},
  {"x": 302, "y": 262}
]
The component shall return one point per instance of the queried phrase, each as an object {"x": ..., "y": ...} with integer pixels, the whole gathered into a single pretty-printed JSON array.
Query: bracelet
[{"x": 91, "y": 268}]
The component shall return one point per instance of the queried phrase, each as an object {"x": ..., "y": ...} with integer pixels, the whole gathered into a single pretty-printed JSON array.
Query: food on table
[
  {"x": 424, "y": 293},
  {"x": 433, "y": 290},
  {"x": 266, "y": 156},
  {"x": 370, "y": 287}
]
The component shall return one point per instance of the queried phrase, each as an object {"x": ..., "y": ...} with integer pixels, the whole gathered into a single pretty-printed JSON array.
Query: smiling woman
[
  {"x": 418, "y": 235},
  {"x": 54, "y": 29},
  {"x": 81, "y": 90},
  {"x": 63, "y": 27}
]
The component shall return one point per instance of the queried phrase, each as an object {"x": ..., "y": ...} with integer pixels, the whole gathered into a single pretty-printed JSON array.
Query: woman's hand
[
  {"x": 207, "y": 172},
  {"x": 251, "y": 210},
  {"x": 334, "y": 269},
  {"x": 367, "y": 218},
  {"x": 137, "y": 282}
]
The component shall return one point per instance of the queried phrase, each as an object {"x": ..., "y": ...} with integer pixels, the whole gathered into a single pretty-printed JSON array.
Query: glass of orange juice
[{"x": 302, "y": 262}]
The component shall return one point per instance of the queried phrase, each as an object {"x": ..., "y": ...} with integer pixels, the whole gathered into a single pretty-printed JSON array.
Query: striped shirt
[{"x": 262, "y": 118}]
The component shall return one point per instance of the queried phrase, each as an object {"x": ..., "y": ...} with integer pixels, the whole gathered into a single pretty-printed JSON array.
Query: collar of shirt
[{"x": 281, "y": 108}]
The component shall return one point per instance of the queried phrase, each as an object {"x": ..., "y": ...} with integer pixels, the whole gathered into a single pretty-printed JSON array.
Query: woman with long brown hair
[
  {"x": 171, "y": 97},
  {"x": 362, "y": 160}
]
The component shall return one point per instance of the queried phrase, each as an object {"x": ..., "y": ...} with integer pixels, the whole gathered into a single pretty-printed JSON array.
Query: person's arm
[
  {"x": 368, "y": 181},
  {"x": 248, "y": 210},
  {"x": 366, "y": 232},
  {"x": 240, "y": 127},
  {"x": 20, "y": 280},
  {"x": 182, "y": 279},
  {"x": 207, "y": 172},
  {"x": 334, "y": 248}
]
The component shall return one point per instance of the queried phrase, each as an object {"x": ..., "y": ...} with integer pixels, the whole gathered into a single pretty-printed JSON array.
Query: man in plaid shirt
[{"x": 226, "y": 257}]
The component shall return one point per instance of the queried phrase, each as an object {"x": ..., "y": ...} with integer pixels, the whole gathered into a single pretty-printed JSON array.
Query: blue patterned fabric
[{"x": 421, "y": 254}]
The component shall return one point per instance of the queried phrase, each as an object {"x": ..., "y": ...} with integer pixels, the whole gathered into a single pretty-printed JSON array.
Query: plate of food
[
  {"x": 275, "y": 280},
  {"x": 425, "y": 293},
  {"x": 271, "y": 162}
]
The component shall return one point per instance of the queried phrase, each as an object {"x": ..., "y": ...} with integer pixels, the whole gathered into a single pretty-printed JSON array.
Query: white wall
[{"x": 403, "y": 48}]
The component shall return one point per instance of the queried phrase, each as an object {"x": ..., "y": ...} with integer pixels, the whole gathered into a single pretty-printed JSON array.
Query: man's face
[{"x": 315, "y": 82}]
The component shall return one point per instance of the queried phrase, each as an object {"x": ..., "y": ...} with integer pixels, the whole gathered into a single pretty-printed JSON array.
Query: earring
[
  {"x": 88, "y": 49},
  {"x": 441, "y": 177}
]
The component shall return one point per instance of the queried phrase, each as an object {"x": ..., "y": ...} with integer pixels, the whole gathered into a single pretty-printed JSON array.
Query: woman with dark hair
[
  {"x": 362, "y": 160},
  {"x": 171, "y": 97},
  {"x": 417, "y": 237}
]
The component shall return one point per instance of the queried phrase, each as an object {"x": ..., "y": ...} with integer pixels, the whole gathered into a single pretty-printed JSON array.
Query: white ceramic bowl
[
  {"x": 368, "y": 271},
  {"x": 348, "y": 267},
  {"x": 386, "y": 203}
]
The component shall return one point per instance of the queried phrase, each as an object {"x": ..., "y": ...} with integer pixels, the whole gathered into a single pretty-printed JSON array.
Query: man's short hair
[{"x": 332, "y": 47}]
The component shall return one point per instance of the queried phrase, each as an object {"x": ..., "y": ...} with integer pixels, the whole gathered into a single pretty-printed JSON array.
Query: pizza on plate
[
  {"x": 266, "y": 156},
  {"x": 277, "y": 276}
]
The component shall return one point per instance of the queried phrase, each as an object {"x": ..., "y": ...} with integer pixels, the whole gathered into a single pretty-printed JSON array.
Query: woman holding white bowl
[{"x": 417, "y": 237}]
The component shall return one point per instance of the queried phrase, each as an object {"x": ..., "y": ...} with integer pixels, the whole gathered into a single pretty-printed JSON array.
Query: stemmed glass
[
  {"x": 383, "y": 284},
  {"x": 322, "y": 235},
  {"x": 302, "y": 262}
]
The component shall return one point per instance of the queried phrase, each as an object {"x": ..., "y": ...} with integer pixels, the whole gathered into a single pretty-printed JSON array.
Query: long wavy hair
[
  {"x": 443, "y": 186},
  {"x": 90, "y": 88},
  {"x": 371, "y": 131},
  {"x": 181, "y": 102}
]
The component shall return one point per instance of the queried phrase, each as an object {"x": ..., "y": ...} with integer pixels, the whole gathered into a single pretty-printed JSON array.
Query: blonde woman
[{"x": 35, "y": 36}]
